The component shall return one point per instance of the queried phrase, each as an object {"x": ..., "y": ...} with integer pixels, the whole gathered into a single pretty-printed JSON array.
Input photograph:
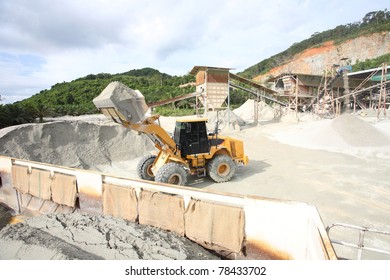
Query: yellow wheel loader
[{"x": 191, "y": 150}]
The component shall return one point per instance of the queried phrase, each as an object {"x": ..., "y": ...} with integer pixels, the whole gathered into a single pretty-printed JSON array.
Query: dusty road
[{"x": 344, "y": 188}]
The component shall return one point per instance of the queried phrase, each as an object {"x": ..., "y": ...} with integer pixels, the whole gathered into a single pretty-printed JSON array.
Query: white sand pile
[
  {"x": 77, "y": 236},
  {"x": 346, "y": 134},
  {"x": 74, "y": 144},
  {"x": 224, "y": 118},
  {"x": 359, "y": 133},
  {"x": 93, "y": 118},
  {"x": 247, "y": 111}
]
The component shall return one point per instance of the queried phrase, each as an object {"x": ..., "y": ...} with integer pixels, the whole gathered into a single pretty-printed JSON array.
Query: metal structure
[
  {"x": 338, "y": 89},
  {"x": 372, "y": 92},
  {"x": 174, "y": 99},
  {"x": 382, "y": 92},
  {"x": 327, "y": 95},
  {"x": 360, "y": 244},
  {"x": 212, "y": 90},
  {"x": 257, "y": 90},
  {"x": 258, "y": 93},
  {"x": 212, "y": 86}
]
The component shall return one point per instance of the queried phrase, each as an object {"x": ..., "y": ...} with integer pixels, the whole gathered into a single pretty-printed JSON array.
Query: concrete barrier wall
[{"x": 238, "y": 226}]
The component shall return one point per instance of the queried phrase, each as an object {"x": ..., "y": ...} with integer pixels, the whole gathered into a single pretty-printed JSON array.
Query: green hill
[{"x": 75, "y": 97}]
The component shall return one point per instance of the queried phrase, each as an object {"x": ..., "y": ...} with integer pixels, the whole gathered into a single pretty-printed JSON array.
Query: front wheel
[
  {"x": 221, "y": 168},
  {"x": 172, "y": 173},
  {"x": 144, "y": 168}
]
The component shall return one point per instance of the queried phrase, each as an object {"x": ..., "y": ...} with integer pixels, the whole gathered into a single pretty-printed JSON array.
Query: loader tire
[
  {"x": 172, "y": 173},
  {"x": 221, "y": 168},
  {"x": 144, "y": 168}
]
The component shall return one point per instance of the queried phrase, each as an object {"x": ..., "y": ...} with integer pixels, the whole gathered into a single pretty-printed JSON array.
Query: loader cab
[{"x": 191, "y": 136}]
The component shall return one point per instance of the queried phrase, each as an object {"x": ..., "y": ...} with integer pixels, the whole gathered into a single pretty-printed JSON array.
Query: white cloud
[{"x": 45, "y": 42}]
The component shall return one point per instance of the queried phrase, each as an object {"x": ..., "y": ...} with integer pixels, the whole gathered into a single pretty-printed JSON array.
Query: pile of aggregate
[
  {"x": 86, "y": 237},
  {"x": 76, "y": 144}
]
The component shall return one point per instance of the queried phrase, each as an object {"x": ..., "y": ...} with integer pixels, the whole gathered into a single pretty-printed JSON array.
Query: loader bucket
[{"x": 121, "y": 103}]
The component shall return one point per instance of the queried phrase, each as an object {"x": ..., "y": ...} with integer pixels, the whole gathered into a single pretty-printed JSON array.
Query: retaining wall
[{"x": 235, "y": 225}]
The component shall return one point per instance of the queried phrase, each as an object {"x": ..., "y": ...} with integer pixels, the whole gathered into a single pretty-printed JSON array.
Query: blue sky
[{"x": 46, "y": 42}]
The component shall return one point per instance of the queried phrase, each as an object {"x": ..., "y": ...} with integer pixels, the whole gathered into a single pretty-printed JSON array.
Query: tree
[
  {"x": 69, "y": 98},
  {"x": 76, "y": 97},
  {"x": 42, "y": 111},
  {"x": 13, "y": 114}
]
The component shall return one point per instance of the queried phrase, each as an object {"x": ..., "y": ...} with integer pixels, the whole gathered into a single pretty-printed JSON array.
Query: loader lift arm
[{"x": 160, "y": 137}]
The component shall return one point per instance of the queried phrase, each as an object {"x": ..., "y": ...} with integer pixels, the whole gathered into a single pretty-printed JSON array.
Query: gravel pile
[
  {"x": 247, "y": 111},
  {"x": 347, "y": 134},
  {"x": 76, "y": 144},
  {"x": 359, "y": 133},
  {"x": 85, "y": 237}
]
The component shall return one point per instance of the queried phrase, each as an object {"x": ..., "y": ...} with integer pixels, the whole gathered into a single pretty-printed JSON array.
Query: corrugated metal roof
[
  {"x": 272, "y": 79},
  {"x": 196, "y": 69},
  {"x": 366, "y": 73}
]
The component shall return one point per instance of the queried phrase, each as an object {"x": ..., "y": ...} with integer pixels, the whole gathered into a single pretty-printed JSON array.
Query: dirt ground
[{"x": 341, "y": 166}]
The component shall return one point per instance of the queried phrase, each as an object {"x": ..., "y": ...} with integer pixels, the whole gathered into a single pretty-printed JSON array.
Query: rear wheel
[
  {"x": 172, "y": 173},
  {"x": 144, "y": 168},
  {"x": 221, "y": 168}
]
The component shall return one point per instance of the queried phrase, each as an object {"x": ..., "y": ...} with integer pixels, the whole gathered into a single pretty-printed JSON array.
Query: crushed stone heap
[
  {"x": 247, "y": 111},
  {"x": 85, "y": 237},
  {"x": 74, "y": 144},
  {"x": 358, "y": 133}
]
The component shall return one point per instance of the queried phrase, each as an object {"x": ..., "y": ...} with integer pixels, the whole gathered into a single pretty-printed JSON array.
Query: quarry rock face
[{"x": 316, "y": 60}]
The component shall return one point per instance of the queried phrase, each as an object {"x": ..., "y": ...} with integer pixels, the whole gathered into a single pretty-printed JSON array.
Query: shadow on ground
[
  {"x": 5, "y": 215},
  {"x": 242, "y": 172}
]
